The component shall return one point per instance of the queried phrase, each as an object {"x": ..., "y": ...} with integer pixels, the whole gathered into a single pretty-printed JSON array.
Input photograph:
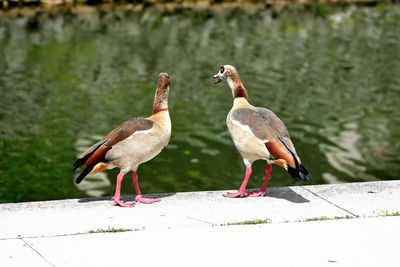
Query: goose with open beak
[{"x": 258, "y": 134}]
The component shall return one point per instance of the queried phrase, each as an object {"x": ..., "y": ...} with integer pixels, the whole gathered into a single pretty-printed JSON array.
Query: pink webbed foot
[
  {"x": 261, "y": 192},
  {"x": 120, "y": 203},
  {"x": 256, "y": 194},
  {"x": 238, "y": 194},
  {"x": 141, "y": 199},
  {"x": 242, "y": 190},
  {"x": 123, "y": 204},
  {"x": 117, "y": 194}
]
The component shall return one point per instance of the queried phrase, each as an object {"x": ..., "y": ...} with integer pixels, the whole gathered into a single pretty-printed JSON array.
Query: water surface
[{"x": 68, "y": 77}]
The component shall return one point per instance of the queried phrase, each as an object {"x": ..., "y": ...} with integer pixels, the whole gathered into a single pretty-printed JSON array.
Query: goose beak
[{"x": 216, "y": 76}]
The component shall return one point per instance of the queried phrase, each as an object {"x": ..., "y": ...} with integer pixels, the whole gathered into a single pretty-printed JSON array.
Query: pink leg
[
  {"x": 139, "y": 197},
  {"x": 264, "y": 185},
  {"x": 242, "y": 189},
  {"x": 117, "y": 195}
]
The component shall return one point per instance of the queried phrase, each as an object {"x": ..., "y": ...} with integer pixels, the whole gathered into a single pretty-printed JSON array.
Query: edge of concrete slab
[
  {"x": 200, "y": 209},
  {"x": 299, "y": 219}
]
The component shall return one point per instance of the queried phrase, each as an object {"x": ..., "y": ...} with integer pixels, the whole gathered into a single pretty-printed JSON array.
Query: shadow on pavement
[{"x": 286, "y": 193}]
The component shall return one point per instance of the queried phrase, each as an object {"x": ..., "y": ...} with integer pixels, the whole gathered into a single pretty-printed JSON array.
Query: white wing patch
[
  {"x": 244, "y": 127},
  {"x": 141, "y": 132}
]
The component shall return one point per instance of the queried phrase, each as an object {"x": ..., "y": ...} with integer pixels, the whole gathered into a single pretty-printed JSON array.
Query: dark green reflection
[{"x": 67, "y": 78}]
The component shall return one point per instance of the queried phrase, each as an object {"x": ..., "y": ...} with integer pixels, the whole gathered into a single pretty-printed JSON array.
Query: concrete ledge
[
  {"x": 198, "y": 209},
  {"x": 190, "y": 229}
]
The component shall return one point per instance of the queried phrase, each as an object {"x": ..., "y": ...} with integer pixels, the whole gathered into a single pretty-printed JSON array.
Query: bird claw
[
  {"x": 123, "y": 204},
  {"x": 238, "y": 194},
  {"x": 256, "y": 194},
  {"x": 144, "y": 200},
  {"x": 118, "y": 202}
]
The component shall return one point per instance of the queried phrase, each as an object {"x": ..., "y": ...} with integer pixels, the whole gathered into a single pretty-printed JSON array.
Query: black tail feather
[
  {"x": 299, "y": 174},
  {"x": 79, "y": 162},
  {"x": 83, "y": 174},
  {"x": 85, "y": 156}
]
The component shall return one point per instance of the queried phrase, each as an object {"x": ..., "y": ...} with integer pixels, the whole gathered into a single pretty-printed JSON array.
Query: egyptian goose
[
  {"x": 258, "y": 134},
  {"x": 135, "y": 141}
]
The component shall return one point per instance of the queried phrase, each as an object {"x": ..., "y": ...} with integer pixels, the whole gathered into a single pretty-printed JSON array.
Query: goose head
[{"x": 229, "y": 74}]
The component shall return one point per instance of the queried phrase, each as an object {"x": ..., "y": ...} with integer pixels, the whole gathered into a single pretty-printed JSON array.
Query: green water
[{"x": 68, "y": 77}]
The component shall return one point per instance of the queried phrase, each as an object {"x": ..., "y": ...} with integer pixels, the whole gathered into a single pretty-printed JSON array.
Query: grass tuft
[
  {"x": 256, "y": 221},
  {"x": 324, "y": 218},
  {"x": 109, "y": 230},
  {"x": 387, "y": 213}
]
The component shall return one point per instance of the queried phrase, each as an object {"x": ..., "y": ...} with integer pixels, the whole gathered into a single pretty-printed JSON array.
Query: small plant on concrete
[
  {"x": 109, "y": 230},
  {"x": 324, "y": 218},
  {"x": 387, "y": 213},
  {"x": 256, "y": 221}
]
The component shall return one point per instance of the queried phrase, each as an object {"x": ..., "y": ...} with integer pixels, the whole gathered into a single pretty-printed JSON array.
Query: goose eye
[{"x": 222, "y": 69}]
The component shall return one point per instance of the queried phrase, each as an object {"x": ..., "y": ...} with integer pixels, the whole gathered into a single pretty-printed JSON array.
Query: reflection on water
[
  {"x": 68, "y": 77},
  {"x": 342, "y": 158}
]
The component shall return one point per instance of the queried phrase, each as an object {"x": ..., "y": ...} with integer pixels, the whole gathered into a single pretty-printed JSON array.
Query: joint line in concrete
[
  {"x": 330, "y": 202},
  {"x": 37, "y": 252},
  {"x": 199, "y": 220}
]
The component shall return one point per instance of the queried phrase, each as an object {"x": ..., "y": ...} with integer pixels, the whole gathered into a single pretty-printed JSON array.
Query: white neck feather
[{"x": 230, "y": 83}]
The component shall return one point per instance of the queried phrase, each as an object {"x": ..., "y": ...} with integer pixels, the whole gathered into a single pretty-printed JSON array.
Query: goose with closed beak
[
  {"x": 258, "y": 134},
  {"x": 135, "y": 141}
]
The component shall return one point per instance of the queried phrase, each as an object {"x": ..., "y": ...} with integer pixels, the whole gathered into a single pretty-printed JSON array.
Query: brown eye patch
[{"x": 222, "y": 69}]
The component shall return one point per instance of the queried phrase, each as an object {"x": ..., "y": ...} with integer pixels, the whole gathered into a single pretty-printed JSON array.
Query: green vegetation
[
  {"x": 256, "y": 221},
  {"x": 324, "y": 218},
  {"x": 67, "y": 78},
  {"x": 381, "y": 213},
  {"x": 111, "y": 230},
  {"x": 18, "y": 3},
  {"x": 387, "y": 213}
]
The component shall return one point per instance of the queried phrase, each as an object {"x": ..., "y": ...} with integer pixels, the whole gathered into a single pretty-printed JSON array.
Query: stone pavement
[{"x": 193, "y": 229}]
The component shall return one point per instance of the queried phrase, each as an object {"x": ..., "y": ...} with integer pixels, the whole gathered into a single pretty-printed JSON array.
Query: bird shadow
[
  {"x": 125, "y": 198},
  {"x": 286, "y": 193}
]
